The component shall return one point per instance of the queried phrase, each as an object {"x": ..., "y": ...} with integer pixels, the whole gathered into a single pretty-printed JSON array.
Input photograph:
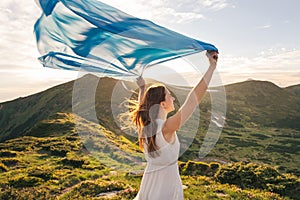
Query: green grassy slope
[
  {"x": 262, "y": 121},
  {"x": 19, "y": 115},
  {"x": 277, "y": 147},
  {"x": 54, "y": 162}
]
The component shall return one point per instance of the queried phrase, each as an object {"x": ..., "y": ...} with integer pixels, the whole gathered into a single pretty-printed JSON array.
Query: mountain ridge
[
  {"x": 260, "y": 103},
  {"x": 290, "y": 88},
  {"x": 295, "y": 89},
  {"x": 48, "y": 151}
]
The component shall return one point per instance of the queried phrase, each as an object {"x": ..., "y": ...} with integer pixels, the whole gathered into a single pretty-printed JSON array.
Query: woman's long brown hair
[{"x": 144, "y": 117}]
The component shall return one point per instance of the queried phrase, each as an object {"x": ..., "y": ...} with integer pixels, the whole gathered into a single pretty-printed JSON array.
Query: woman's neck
[{"x": 162, "y": 114}]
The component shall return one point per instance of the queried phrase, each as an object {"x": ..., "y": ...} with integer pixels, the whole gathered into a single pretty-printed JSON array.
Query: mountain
[
  {"x": 295, "y": 89},
  {"x": 19, "y": 115},
  {"x": 51, "y": 150},
  {"x": 262, "y": 119},
  {"x": 262, "y": 104},
  {"x": 262, "y": 125},
  {"x": 250, "y": 103}
]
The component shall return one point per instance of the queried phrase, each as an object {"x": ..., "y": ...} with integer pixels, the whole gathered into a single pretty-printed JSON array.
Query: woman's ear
[{"x": 163, "y": 104}]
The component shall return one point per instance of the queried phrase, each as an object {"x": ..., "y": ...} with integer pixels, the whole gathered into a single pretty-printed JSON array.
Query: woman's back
[
  {"x": 161, "y": 179},
  {"x": 168, "y": 153}
]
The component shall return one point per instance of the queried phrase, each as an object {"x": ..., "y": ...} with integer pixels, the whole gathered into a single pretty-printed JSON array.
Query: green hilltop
[
  {"x": 249, "y": 104},
  {"x": 48, "y": 152}
]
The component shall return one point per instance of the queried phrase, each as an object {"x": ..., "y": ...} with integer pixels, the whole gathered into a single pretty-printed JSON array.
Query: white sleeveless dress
[{"x": 161, "y": 179}]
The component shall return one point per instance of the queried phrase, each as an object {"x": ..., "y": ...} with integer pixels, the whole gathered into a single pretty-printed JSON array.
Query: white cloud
[
  {"x": 19, "y": 80},
  {"x": 16, "y": 28},
  {"x": 264, "y": 26},
  {"x": 214, "y": 4},
  {"x": 176, "y": 11},
  {"x": 279, "y": 67},
  {"x": 286, "y": 21},
  {"x": 20, "y": 72}
]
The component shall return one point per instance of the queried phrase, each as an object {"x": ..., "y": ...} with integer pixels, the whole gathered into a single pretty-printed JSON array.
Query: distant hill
[
  {"x": 262, "y": 103},
  {"x": 295, "y": 89},
  {"x": 262, "y": 121},
  {"x": 249, "y": 104},
  {"x": 19, "y": 115}
]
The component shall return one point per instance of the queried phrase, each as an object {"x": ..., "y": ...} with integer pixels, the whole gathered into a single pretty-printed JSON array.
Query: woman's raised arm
[
  {"x": 174, "y": 122},
  {"x": 141, "y": 83}
]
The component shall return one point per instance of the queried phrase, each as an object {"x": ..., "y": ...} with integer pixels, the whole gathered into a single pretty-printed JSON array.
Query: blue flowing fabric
[{"x": 88, "y": 35}]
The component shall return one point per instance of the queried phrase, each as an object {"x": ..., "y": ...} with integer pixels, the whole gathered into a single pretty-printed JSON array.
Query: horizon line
[{"x": 227, "y": 84}]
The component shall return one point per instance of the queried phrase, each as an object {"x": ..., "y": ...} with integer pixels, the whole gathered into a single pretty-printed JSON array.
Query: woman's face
[{"x": 168, "y": 104}]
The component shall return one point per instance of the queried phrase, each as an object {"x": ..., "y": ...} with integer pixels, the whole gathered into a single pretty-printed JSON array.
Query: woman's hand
[
  {"x": 140, "y": 82},
  {"x": 212, "y": 57}
]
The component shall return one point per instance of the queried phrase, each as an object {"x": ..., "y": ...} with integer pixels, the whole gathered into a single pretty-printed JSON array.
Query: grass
[
  {"x": 31, "y": 171},
  {"x": 57, "y": 155},
  {"x": 201, "y": 187},
  {"x": 273, "y": 146}
]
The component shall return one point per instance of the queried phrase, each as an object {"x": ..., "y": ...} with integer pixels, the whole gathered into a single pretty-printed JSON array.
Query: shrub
[
  {"x": 256, "y": 176},
  {"x": 10, "y": 193},
  {"x": 195, "y": 168},
  {"x": 59, "y": 148},
  {"x": 198, "y": 168},
  {"x": 41, "y": 173},
  {"x": 9, "y": 154},
  {"x": 3, "y": 167},
  {"x": 129, "y": 193},
  {"x": 74, "y": 162},
  {"x": 9, "y": 162},
  {"x": 214, "y": 165},
  {"x": 181, "y": 165},
  {"x": 93, "y": 188},
  {"x": 70, "y": 180},
  {"x": 25, "y": 181},
  {"x": 72, "y": 138},
  {"x": 58, "y": 151}
]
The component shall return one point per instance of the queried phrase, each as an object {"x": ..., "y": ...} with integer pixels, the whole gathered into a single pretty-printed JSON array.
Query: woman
[{"x": 157, "y": 135}]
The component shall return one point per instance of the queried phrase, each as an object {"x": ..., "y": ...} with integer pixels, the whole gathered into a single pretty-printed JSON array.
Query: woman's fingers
[
  {"x": 212, "y": 54},
  {"x": 212, "y": 57},
  {"x": 140, "y": 81}
]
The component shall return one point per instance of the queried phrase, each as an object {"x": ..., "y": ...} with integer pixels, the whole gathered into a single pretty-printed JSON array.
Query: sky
[{"x": 257, "y": 39}]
